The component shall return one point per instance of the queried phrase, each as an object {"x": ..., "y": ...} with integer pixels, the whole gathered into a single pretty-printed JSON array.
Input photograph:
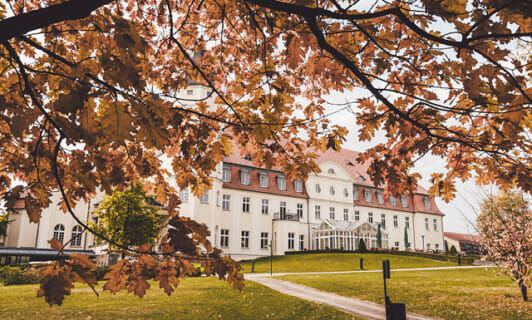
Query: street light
[{"x": 423, "y": 241}]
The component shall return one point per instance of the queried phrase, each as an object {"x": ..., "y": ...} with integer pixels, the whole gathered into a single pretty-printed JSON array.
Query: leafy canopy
[
  {"x": 127, "y": 218},
  {"x": 91, "y": 95}
]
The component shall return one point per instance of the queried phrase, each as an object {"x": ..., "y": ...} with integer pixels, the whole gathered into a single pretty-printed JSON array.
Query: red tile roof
[
  {"x": 254, "y": 181},
  {"x": 463, "y": 236}
]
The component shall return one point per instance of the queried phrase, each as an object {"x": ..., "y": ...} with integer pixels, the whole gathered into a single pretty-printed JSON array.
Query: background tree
[
  {"x": 3, "y": 224},
  {"x": 436, "y": 76},
  {"x": 379, "y": 236},
  {"x": 453, "y": 251},
  {"x": 505, "y": 224},
  {"x": 128, "y": 218}
]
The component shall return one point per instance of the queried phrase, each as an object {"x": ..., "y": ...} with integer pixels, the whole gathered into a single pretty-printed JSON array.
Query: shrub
[
  {"x": 362, "y": 246},
  {"x": 16, "y": 275},
  {"x": 452, "y": 251}
]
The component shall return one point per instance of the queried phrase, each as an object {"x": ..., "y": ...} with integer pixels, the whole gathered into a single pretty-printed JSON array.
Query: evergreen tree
[{"x": 379, "y": 236}]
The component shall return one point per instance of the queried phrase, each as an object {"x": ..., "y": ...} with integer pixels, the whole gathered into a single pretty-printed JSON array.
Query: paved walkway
[{"x": 366, "y": 309}]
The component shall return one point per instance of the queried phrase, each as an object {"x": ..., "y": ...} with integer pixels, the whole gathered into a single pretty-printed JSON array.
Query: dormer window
[
  {"x": 281, "y": 183},
  {"x": 226, "y": 174},
  {"x": 331, "y": 190},
  {"x": 361, "y": 178},
  {"x": 318, "y": 188},
  {"x": 298, "y": 185},
  {"x": 404, "y": 201},
  {"x": 426, "y": 202},
  {"x": 380, "y": 197},
  {"x": 331, "y": 171},
  {"x": 367, "y": 195},
  {"x": 247, "y": 157},
  {"x": 355, "y": 193},
  {"x": 393, "y": 201},
  {"x": 263, "y": 180},
  {"x": 244, "y": 177}
]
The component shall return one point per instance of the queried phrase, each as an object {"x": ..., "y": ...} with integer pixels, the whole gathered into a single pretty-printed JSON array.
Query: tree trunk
[{"x": 523, "y": 292}]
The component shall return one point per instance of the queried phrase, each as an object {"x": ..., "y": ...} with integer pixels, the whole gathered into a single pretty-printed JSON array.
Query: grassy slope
[
  {"x": 338, "y": 262},
  {"x": 449, "y": 294},
  {"x": 196, "y": 298}
]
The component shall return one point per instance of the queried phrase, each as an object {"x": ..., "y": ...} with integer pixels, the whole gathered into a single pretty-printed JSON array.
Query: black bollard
[
  {"x": 361, "y": 263},
  {"x": 252, "y": 266}
]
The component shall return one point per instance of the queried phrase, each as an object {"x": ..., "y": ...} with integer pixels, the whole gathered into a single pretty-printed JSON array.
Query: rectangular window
[
  {"x": 437, "y": 246},
  {"x": 404, "y": 201},
  {"x": 317, "y": 212},
  {"x": 226, "y": 174},
  {"x": 226, "y": 202},
  {"x": 298, "y": 186},
  {"x": 204, "y": 197},
  {"x": 300, "y": 210},
  {"x": 244, "y": 177},
  {"x": 357, "y": 215},
  {"x": 183, "y": 195},
  {"x": 331, "y": 213},
  {"x": 396, "y": 244},
  {"x": 346, "y": 214},
  {"x": 383, "y": 221},
  {"x": 428, "y": 246},
  {"x": 370, "y": 217},
  {"x": 301, "y": 242},
  {"x": 282, "y": 210},
  {"x": 435, "y": 224},
  {"x": 245, "y": 204},
  {"x": 407, "y": 222},
  {"x": 281, "y": 183},
  {"x": 264, "y": 240},
  {"x": 395, "y": 222},
  {"x": 263, "y": 180},
  {"x": 264, "y": 206},
  {"x": 380, "y": 197},
  {"x": 355, "y": 193},
  {"x": 367, "y": 195},
  {"x": 245, "y": 240},
  {"x": 224, "y": 238},
  {"x": 427, "y": 224},
  {"x": 291, "y": 240}
]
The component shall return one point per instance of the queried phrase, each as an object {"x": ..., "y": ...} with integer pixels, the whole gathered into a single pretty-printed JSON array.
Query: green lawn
[
  {"x": 196, "y": 298},
  {"x": 446, "y": 294},
  {"x": 339, "y": 262}
]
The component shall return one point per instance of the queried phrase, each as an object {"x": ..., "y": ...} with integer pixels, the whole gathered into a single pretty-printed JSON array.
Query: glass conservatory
[{"x": 344, "y": 235}]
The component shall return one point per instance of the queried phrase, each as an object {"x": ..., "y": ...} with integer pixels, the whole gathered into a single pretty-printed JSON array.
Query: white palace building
[{"x": 248, "y": 208}]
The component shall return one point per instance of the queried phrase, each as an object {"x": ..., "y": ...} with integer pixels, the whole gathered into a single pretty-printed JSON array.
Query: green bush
[
  {"x": 100, "y": 273},
  {"x": 16, "y": 275},
  {"x": 452, "y": 251}
]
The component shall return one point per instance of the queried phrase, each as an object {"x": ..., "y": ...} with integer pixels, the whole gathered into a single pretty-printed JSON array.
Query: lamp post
[{"x": 423, "y": 241}]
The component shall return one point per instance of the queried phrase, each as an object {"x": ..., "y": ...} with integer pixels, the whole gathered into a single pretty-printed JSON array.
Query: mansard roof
[{"x": 254, "y": 185}]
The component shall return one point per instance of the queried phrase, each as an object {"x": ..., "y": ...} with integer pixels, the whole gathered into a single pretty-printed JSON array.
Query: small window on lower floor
[{"x": 396, "y": 244}]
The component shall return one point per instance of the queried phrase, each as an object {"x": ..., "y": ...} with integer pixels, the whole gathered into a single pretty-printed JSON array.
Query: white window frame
[
  {"x": 396, "y": 221},
  {"x": 357, "y": 215},
  {"x": 367, "y": 195},
  {"x": 246, "y": 204},
  {"x": 282, "y": 209},
  {"x": 318, "y": 188},
  {"x": 264, "y": 240},
  {"x": 226, "y": 174},
  {"x": 226, "y": 202},
  {"x": 298, "y": 186},
  {"x": 393, "y": 200},
  {"x": 346, "y": 214},
  {"x": 299, "y": 210},
  {"x": 224, "y": 238},
  {"x": 245, "y": 177},
  {"x": 404, "y": 201},
  {"x": 205, "y": 197},
  {"x": 77, "y": 234},
  {"x": 383, "y": 220},
  {"x": 427, "y": 224},
  {"x": 317, "y": 212},
  {"x": 281, "y": 183},
  {"x": 331, "y": 190},
  {"x": 244, "y": 240},
  {"x": 183, "y": 195},
  {"x": 291, "y": 240},
  {"x": 59, "y": 233},
  {"x": 435, "y": 224},
  {"x": 407, "y": 222},
  {"x": 263, "y": 180},
  {"x": 370, "y": 217},
  {"x": 332, "y": 213},
  {"x": 380, "y": 197},
  {"x": 265, "y": 206},
  {"x": 301, "y": 242},
  {"x": 356, "y": 196},
  {"x": 426, "y": 202}
]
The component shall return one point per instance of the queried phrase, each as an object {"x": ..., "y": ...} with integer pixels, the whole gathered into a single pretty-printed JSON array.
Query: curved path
[{"x": 366, "y": 309}]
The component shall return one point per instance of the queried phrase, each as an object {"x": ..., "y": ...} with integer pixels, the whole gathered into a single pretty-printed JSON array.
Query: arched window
[
  {"x": 77, "y": 231},
  {"x": 331, "y": 190},
  {"x": 331, "y": 171},
  {"x": 318, "y": 188},
  {"x": 59, "y": 233}
]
